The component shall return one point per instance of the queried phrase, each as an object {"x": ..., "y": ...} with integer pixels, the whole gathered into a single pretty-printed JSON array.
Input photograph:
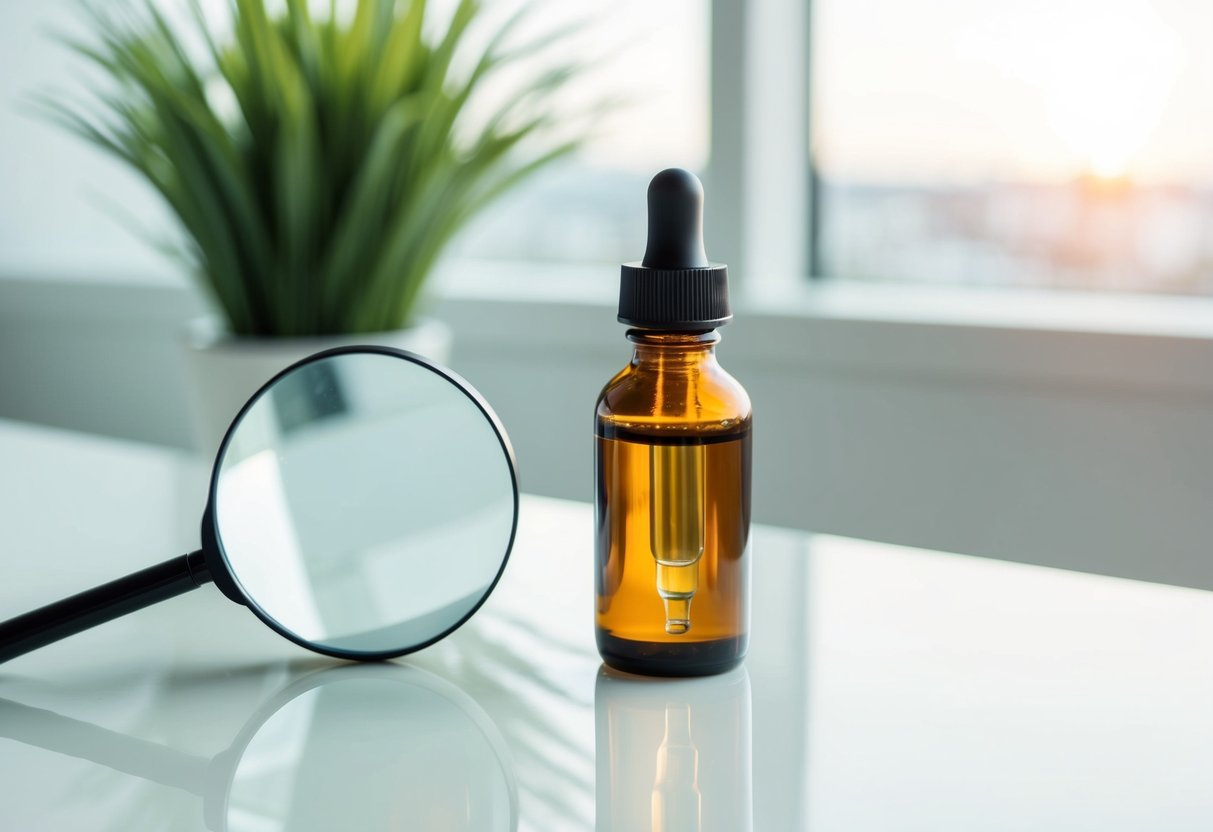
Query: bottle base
[{"x": 663, "y": 658}]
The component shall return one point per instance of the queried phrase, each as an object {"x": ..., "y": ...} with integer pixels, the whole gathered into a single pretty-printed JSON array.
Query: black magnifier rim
[{"x": 361, "y": 349}]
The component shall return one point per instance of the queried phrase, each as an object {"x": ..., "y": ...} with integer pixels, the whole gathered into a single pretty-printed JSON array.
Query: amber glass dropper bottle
[{"x": 672, "y": 461}]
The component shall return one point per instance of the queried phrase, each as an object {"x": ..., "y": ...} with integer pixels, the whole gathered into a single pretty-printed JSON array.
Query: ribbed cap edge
[{"x": 677, "y": 299}]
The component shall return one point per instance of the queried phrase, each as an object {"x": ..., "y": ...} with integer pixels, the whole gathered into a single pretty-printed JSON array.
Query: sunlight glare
[{"x": 1105, "y": 69}]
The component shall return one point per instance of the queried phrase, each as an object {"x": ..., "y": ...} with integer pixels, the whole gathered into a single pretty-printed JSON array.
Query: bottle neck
[{"x": 672, "y": 351}]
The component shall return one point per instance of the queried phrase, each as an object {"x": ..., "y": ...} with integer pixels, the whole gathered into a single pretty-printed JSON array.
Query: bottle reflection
[
  {"x": 673, "y": 755},
  {"x": 676, "y": 798},
  {"x": 349, "y": 747}
]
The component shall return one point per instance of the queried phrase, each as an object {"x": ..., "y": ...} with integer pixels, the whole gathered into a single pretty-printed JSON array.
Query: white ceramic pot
[{"x": 222, "y": 371}]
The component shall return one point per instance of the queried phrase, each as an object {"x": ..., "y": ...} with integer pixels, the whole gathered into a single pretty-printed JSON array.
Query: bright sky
[
  {"x": 943, "y": 90},
  {"x": 1031, "y": 89},
  {"x": 651, "y": 58}
]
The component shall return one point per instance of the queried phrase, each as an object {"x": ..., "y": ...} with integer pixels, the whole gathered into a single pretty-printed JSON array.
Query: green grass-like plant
[{"x": 318, "y": 165}]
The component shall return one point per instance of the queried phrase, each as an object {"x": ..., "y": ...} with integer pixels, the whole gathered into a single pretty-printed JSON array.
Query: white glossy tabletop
[{"x": 886, "y": 689}]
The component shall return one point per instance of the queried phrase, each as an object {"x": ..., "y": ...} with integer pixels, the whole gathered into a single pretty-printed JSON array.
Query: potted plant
[{"x": 318, "y": 165}]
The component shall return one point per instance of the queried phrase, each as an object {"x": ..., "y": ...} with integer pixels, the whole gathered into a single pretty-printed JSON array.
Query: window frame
[{"x": 759, "y": 175}]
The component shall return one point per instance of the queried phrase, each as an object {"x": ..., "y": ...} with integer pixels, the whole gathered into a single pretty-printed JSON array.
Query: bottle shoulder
[{"x": 708, "y": 401}]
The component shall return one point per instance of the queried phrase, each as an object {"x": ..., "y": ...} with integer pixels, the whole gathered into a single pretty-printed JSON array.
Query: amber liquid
[{"x": 703, "y": 526}]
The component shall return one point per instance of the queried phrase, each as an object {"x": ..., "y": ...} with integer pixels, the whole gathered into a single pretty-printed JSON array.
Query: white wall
[{"x": 1083, "y": 449}]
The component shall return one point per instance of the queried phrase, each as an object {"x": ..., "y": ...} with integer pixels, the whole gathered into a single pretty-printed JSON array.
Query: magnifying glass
[
  {"x": 363, "y": 504},
  {"x": 421, "y": 754}
]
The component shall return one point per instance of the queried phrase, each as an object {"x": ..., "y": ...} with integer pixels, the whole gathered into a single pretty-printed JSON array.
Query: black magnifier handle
[
  {"x": 85, "y": 741},
  {"x": 104, "y": 603}
]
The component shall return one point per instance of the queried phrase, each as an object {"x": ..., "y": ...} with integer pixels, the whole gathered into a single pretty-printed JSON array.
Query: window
[
  {"x": 1052, "y": 143},
  {"x": 651, "y": 60},
  {"x": 1045, "y": 143},
  {"x": 66, "y": 207}
]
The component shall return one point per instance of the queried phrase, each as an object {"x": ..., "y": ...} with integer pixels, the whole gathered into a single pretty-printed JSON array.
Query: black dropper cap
[{"x": 674, "y": 288}]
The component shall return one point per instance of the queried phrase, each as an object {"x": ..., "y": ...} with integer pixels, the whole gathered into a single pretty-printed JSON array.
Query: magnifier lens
[{"x": 365, "y": 503}]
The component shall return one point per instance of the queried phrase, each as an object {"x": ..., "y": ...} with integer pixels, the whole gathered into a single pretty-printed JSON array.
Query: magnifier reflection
[{"x": 383, "y": 746}]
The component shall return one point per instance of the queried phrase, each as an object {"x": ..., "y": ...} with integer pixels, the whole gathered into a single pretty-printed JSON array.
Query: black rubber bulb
[
  {"x": 674, "y": 288},
  {"x": 675, "y": 222}
]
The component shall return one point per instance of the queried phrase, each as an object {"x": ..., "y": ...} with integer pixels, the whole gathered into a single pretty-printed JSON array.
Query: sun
[
  {"x": 1111, "y": 66},
  {"x": 1109, "y": 165}
]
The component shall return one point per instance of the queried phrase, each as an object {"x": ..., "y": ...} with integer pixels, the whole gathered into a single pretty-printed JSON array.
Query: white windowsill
[
  {"x": 968, "y": 306},
  {"x": 597, "y": 285},
  {"x": 975, "y": 335}
]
